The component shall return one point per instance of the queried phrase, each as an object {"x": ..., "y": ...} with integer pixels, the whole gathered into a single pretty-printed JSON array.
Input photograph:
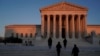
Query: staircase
[{"x": 70, "y": 43}]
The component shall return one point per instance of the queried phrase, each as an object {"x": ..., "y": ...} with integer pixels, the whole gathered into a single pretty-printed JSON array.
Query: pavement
[{"x": 20, "y": 50}]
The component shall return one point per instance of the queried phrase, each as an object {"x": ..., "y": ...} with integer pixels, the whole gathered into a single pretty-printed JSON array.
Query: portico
[{"x": 63, "y": 20}]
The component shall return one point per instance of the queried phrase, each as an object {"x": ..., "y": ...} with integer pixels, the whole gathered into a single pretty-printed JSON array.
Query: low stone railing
[{"x": 88, "y": 39}]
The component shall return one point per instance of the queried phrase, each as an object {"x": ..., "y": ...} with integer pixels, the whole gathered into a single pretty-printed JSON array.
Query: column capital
[
  {"x": 60, "y": 15},
  {"x": 73, "y": 15}
]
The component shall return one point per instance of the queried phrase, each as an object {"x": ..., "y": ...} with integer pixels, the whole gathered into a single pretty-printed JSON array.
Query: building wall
[
  {"x": 20, "y": 29},
  {"x": 95, "y": 28},
  {"x": 26, "y": 32},
  {"x": 28, "y": 29}
]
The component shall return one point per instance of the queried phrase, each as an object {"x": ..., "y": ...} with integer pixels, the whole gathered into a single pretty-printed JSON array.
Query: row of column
[{"x": 72, "y": 27}]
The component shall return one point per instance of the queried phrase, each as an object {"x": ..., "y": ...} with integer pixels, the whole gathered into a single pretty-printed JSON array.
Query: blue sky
[{"x": 27, "y": 11}]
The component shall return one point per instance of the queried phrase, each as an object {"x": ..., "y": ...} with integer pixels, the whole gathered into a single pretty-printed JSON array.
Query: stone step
[
  {"x": 37, "y": 51},
  {"x": 44, "y": 42}
]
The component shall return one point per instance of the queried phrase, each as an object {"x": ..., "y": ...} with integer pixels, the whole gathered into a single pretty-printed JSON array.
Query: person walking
[
  {"x": 50, "y": 42},
  {"x": 75, "y": 50},
  {"x": 58, "y": 48},
  {"x": 65, "y": 42}
]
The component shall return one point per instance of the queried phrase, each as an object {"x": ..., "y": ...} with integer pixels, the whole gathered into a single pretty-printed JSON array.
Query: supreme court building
[
  {"x": 60, "y": 20},
  {"x": 64, "y": 20}
]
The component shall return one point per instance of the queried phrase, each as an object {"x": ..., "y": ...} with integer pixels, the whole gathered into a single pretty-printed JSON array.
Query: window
[
  {"x": 26, "y": 35},
  {"x": 21, "y": 34},
  {"x": 30, "y": 34}
]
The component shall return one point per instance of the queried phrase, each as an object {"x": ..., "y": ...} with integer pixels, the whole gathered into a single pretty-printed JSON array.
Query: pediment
[{"x": 63, "y": 6}]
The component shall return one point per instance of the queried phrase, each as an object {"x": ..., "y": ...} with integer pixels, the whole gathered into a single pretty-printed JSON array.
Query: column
[
  {"x": 81, "y": 26},
  {"x": 60, "y": 26},
  {"x": 42, "y": 22},
  {"x": 79, "y": 29},
  {"x": 54, "y": 26},
  {"x": 67, "y": 31},
  {"x": 48, "y": 26},
  {"x": 73, "y": 28},
  {"x": 85, "y": 25}
]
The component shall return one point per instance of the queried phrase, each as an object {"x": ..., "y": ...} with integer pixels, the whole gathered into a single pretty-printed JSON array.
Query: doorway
[{"x": 63, "y": 33}]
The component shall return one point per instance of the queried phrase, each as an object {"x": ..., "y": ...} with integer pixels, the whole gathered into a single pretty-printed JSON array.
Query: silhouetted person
[
  {"x": 50, "y": 42},
  {"x": 58, "y": 48},
  {"x": 65, "y": 42},
  {"x": 75, "y": 50}
]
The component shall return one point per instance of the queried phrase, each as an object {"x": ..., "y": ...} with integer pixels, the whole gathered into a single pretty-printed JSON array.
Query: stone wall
[
  {"x": 95, "y": 28},
  {"x": 26, "y": 32},
  {"x": 20, "y": 30}
]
